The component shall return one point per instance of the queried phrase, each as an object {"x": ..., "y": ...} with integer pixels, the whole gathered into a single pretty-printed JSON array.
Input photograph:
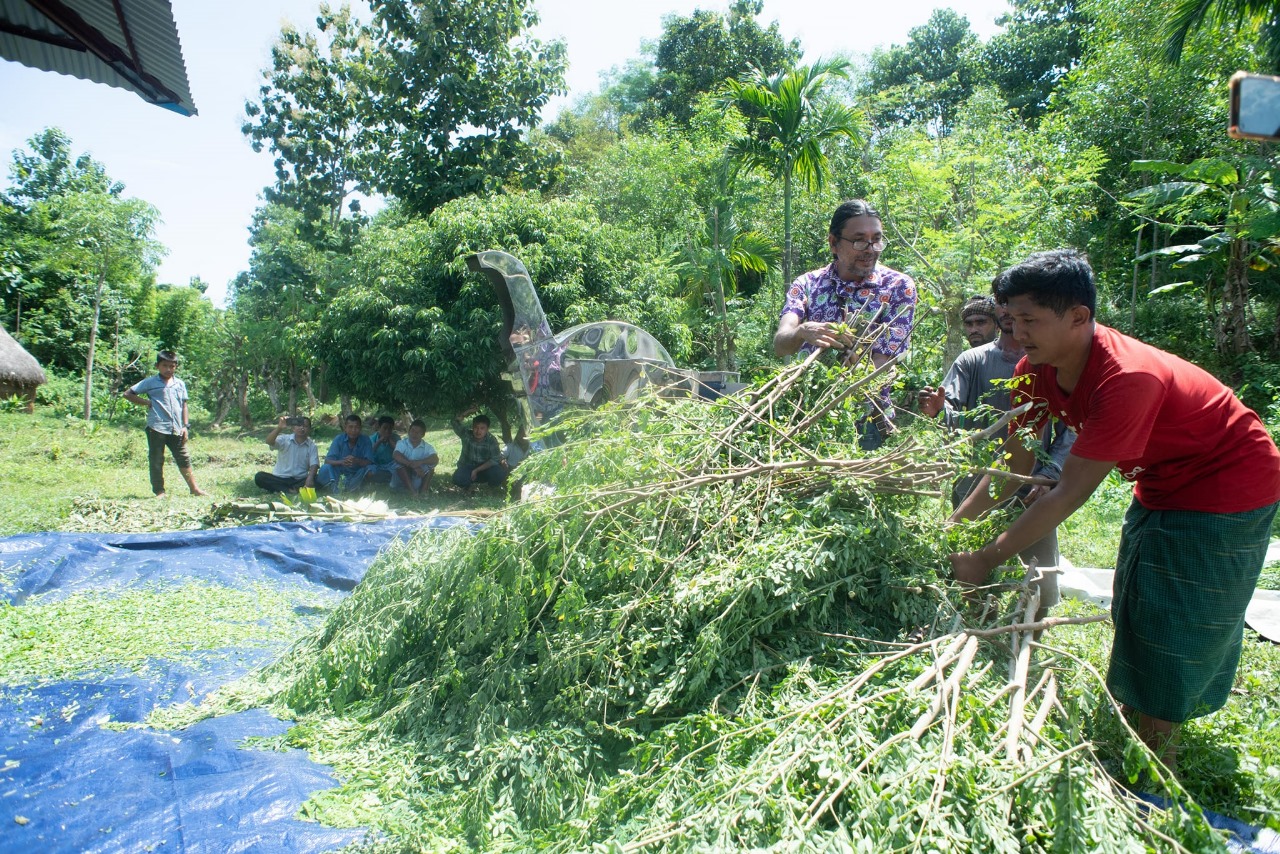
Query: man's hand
[
  {"x": 823, "y": 335},
  {"x": 970, "y": 568},
  {"x": 1034, "y": 494},
  {"x": 932, "y": 401}
]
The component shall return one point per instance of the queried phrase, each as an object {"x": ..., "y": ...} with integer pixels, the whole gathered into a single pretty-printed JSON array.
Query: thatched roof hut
[{"x": 20, "y": 373}]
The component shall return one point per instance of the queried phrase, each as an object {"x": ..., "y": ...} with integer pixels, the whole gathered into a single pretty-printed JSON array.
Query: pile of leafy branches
[{"x": 723, "y": 626}]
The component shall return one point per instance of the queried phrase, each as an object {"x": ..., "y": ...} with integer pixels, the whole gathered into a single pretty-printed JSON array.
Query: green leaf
[{"x": 1169, "y": 288}]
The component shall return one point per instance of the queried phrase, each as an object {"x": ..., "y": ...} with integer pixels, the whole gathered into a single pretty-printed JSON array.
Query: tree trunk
[
  {"x": 1133, "y": 290},
  {"x": 504, "y": 421},
  {"x": 786, "y": 229},
  {"x": 242, "y": 399},
  {"x": 93, "y": 343},
  {"x": 306, "y": 388},
  {"x": 224, "y": 407},
  {"x": 271, "y": 384},
  {"x": 293, "y": 387},
  {"x": 1235, "y": 304},
  {"x": 344, "y": 403}
]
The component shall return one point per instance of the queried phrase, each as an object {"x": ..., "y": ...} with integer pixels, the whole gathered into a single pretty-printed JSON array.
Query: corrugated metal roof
[{"x": 129, "y": 44}]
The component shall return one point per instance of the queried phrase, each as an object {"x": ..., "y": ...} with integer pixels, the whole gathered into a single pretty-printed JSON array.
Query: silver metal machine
[{"x": 586, "y": 365}]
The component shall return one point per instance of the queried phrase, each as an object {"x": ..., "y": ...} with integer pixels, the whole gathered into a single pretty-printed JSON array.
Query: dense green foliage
[
  {"x": 78, "y": 258},
  {"x": 642, "y": 658},
  {"x": 696, "y": 55},
  {"x": 414, "y": 328},
  {"x": 975, "y": 152}
]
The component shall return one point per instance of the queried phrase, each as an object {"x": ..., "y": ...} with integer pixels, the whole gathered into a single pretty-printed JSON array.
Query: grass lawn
[{"x": 60, "y": 474}]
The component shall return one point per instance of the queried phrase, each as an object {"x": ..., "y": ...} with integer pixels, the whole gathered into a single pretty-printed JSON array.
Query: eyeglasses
[{"x": 863, "y": 245}]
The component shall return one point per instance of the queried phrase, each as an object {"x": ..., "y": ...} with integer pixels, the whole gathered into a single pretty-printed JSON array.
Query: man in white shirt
[
  {"x": 297, "y": 457},
  {"x": 415, "y": 461}
]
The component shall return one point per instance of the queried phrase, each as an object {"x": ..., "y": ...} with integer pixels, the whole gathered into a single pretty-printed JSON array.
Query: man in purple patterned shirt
[{"x": 853, "y": 283}]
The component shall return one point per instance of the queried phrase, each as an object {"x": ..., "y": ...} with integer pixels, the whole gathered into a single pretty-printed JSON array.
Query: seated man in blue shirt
[
  {"x": 349, "y": 458},
  {"x": 384, "y": 442}
]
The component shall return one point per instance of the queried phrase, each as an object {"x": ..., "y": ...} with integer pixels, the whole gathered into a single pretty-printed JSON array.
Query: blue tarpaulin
[{"x": 67, "y": 784}]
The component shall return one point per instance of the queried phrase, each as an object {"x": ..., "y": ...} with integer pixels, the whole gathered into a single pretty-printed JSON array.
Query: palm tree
[
  {"x": 1188, "y": 15},
  {"x": 787, "y": 125},
  {"x": 713, "y": 263}
]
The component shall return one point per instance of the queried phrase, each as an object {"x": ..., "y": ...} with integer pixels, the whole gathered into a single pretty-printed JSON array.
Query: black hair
[
  {"x": 480, "y": 419},
  {"x": 418, "y": 422},
  {"x": 847, "y": 211},
  {"x": 996, "y": 285},
  {"x": 386, "y": 419},
  {"x": 166, "y": 356},
  {"x": 353, "y": 417},
  {"x": 1059, "y": 279}
]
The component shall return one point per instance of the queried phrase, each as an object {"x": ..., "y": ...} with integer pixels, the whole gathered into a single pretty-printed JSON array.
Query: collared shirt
[
  {"x": 413, "y": 453},
  {"x": 341, "y": 447},
  {"x": 164, "y": 415},
  {"x": 293, "y": 458},
  {"x": 974, "y": 380},
  {"x": 476, "y": 452},
  {"x": 885, "y": 295}
]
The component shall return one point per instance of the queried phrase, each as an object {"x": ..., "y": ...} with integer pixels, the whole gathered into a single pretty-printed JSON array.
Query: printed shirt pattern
[
  {"x": 823, "y": 296},
  {"x": 887, "y": 295}
]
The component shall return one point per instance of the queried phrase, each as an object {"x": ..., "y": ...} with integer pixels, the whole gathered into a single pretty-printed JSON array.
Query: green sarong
[{"x": 1183, "y": 581}]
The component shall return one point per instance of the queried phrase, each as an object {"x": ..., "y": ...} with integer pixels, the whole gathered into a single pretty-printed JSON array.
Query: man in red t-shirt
[{"x": 1206, "y": 475}]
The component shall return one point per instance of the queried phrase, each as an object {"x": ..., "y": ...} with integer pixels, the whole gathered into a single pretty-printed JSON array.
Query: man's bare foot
[
  {"x": 198, "y": 491},
  {"x": 162, "y": 495}
]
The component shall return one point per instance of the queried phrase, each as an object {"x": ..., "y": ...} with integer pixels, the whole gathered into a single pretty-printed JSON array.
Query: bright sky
[{"x": 205, "y": 179}]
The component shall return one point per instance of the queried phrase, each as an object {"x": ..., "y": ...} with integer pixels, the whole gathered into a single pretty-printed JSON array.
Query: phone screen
[{"x": 1255, "y": 107}]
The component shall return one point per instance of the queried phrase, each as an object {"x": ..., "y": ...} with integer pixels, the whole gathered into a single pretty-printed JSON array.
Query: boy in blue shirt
[{"x": 167, "y": 421}]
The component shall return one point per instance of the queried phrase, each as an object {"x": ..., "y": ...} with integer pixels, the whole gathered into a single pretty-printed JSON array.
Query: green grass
[
  {"x": 1091, "y": 536},
  {"x": 61, "y": 474},
  {"x": 1229, "y": 761}
]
